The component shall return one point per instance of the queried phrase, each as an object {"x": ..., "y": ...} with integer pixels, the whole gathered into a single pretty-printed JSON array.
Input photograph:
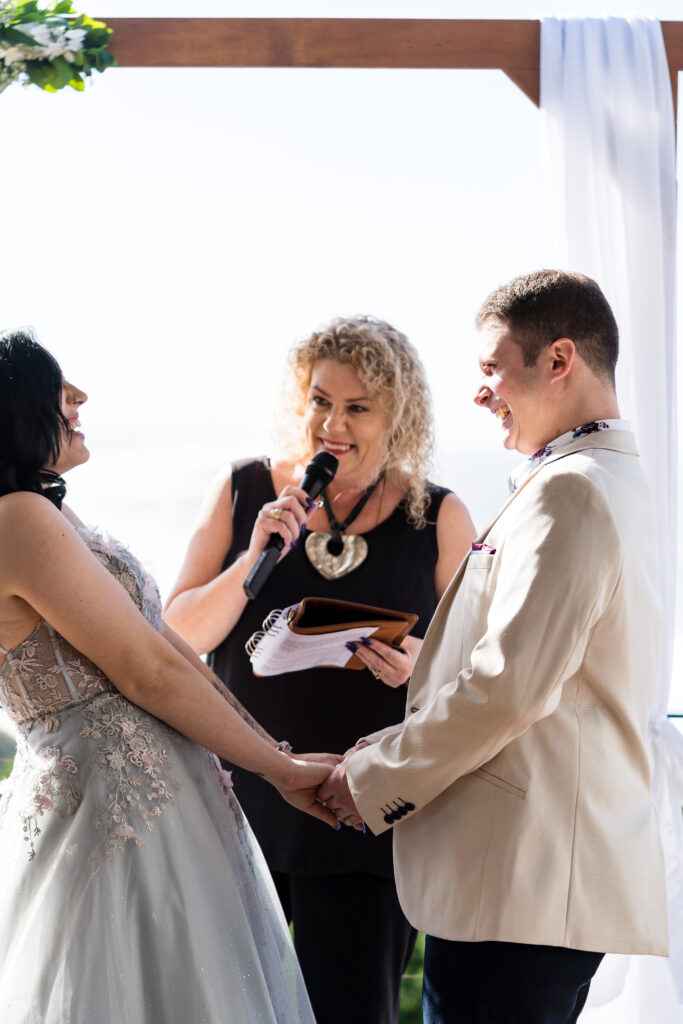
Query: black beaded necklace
[{"x": 335, "y": 544}]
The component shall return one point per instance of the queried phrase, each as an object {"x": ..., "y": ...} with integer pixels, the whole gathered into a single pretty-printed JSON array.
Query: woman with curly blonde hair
[{"x": 384, "y": 535}]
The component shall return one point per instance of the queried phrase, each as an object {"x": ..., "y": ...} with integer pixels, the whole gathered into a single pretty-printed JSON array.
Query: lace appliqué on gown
[
  {"x": 131, "y": 756},
  {"x": 225, "y": 778},
  {"x": 132, "y": 761},
  {"x": 45, "y": 678},
  {"x": 129, "y": 572},
  {"x": 54, "y": 787}
]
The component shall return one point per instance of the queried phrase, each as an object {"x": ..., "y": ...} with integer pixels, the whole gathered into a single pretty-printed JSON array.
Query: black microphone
[{"x": 318, "y": 474}]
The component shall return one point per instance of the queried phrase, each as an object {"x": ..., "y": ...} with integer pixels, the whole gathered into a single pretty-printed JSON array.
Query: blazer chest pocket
[
  {"x": 479, "y": 561},
  {"x": 475, "y": 598},
  {"x": 496, "y": 780}
]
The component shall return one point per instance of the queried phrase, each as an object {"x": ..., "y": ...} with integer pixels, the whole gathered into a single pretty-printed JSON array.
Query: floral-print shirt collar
[{"x": 531, "y": 464}]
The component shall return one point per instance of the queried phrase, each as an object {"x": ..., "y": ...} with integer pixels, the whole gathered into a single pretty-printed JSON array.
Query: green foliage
[
  {"x": 50, "y": 46},
  {"x": 16, "y": 37},
  {"x": 5, "y": 767},
  {"x": 411, "y": 986}
]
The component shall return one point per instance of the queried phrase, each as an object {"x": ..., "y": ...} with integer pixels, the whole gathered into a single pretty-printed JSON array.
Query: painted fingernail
[
  {"x": 303, "y": 529},
  {"x": 294, "y": 543},
  {"x": 350, "y": 646},
  {"x": 366, "y": 640},
  {"x": 337, "y": 826},
  {"x": 311, "y": 503},
  {"x": 363, "y": 827}
]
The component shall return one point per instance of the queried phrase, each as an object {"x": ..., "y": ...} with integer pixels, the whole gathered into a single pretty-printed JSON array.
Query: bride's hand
[{"x": 300, "y": 788}]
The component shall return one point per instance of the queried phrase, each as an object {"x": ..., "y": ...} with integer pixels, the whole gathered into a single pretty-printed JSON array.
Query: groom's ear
[{"x": 559, "y": 358}]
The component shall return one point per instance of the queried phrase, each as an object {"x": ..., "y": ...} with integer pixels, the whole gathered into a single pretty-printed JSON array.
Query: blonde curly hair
[{"x": 389, "y": 368}]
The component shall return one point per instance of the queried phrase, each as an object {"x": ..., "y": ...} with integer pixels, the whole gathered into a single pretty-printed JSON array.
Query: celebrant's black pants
[
  {"x": 504, "y": 982},
  {"x": 353, "y": 943}
]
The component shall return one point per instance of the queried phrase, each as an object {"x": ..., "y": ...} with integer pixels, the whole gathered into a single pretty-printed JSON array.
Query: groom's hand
[
  {"x": 336, "y": 796},
  {"x": 331, "y": 759}
]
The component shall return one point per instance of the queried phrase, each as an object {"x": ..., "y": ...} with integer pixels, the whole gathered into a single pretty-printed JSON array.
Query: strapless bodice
[{"x": 44, "y": 675}]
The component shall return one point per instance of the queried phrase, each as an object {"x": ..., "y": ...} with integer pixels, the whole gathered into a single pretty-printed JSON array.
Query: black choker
[{"x": 53, "y": 487}]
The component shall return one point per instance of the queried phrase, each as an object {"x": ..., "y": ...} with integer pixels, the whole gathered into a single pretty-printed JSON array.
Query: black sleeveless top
[{"x": 324, "y": 709}]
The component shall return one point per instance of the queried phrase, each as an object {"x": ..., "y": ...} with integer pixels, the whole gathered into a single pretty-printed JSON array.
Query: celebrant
[{"x": 383, "y": 535}]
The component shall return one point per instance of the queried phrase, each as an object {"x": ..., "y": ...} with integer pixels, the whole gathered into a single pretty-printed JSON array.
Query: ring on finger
[
  {"x": 277, "y": 514},
  {"x": 376, "y": 673}
]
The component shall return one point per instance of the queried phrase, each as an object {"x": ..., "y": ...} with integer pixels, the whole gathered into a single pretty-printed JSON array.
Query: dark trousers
[
  {"x": 353, "y": 943},
  {"x": 504, "y": 982}
]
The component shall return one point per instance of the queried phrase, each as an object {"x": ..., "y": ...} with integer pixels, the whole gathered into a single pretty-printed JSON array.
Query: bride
[{"x": 132, "y": 889}]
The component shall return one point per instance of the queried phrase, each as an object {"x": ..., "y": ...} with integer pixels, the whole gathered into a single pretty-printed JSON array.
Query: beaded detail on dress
[{"x": 43, "y": 680}]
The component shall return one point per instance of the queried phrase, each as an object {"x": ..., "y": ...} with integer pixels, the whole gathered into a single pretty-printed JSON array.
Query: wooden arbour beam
[{"x": 511, "y": 46}]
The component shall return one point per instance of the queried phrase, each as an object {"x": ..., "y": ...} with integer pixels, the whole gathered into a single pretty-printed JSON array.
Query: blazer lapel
[{"x": 612, "y": 440}]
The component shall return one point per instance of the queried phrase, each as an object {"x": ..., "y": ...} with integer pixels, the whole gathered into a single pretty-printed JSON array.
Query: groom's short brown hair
[{"x": 541, "y": 307}]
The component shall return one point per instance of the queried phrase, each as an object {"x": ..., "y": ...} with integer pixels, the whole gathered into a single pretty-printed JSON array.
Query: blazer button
[
  {"x": 405, "y": 807},
  {"x": 388, "y": 815}
]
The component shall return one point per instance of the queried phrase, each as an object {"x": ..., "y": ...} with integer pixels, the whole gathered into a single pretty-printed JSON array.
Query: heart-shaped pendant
[{"x": 333, "y": 566}]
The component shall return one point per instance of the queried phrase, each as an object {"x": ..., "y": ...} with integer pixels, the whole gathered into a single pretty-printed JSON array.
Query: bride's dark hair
[{"x": 31, "y": 421}]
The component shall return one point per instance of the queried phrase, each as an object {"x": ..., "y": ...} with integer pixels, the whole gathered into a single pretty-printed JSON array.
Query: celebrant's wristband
[{"x": 284, "y": 746}]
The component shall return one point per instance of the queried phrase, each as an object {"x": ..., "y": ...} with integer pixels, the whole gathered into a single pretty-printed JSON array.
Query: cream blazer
[{"x": 519, "y": 780}]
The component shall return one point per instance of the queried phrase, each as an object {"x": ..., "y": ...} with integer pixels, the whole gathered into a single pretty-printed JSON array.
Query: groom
[{"x": 526, "y": 844}]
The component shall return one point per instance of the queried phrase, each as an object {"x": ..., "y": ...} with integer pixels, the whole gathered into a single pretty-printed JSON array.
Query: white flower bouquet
[{"x": 50, "y": 46}]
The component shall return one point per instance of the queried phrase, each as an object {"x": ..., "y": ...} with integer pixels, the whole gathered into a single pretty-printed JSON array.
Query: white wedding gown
[{"x": 131, "y": 888}]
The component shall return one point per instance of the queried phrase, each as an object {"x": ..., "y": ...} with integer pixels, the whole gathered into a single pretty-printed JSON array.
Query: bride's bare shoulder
[
  {"x": 18, "y": 502},
  {"x": 21, "y": 510}
]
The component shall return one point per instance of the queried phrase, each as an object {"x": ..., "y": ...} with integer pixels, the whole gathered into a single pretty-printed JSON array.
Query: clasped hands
[
  {"x": 392, "y": 666},
  {"x": 335, "y": 794},
  {"x": 321, "y": 789},
  {"x": 327, "y": 795}
]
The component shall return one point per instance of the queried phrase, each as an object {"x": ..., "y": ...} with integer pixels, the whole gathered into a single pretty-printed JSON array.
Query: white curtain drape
[{"x": 611, "y": 203}]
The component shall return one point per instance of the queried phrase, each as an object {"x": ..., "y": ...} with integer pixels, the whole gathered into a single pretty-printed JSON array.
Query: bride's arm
[
  {"x": 196, "y": 661},
  {"x": 190, "y": 655},
  {"x": 44, "y": 562}
]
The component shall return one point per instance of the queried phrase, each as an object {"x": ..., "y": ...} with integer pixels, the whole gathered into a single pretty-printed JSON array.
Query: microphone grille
[{"x": 323, "y": 464}]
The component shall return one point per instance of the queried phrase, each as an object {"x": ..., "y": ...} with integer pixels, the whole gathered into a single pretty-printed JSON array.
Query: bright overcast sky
[{"x": 171, "y": 232}]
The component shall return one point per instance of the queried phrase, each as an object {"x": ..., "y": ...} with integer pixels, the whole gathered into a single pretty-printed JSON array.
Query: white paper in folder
[{"x": 279, "y": 650}]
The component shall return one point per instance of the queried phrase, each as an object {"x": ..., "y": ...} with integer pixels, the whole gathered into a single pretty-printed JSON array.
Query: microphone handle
[
  {"x": 263, "y": 566},
  {"x": 267, "y": 560}
]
